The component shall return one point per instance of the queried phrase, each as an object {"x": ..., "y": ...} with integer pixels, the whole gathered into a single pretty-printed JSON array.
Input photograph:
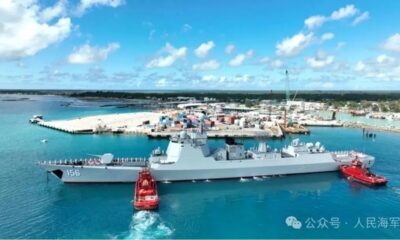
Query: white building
[{"x": 306, "y": 106}]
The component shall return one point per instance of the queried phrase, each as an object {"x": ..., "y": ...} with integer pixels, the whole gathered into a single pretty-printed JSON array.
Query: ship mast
[{"x": 287, "y": 87}]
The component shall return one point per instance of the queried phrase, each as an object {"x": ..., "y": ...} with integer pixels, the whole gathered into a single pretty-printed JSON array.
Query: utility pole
[{"x": 287, "y": 99}]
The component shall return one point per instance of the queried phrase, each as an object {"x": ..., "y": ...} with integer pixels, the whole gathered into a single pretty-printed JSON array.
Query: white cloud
[
  {"x": 232, "y": 81},
  {"x": 321, "y": 60},
  {"x": 162, "y": 82},
  {"x": 203, "y": 49},
  {"x": 174, "y": 54},
  {"x": 230, "y": 48},
  {"x": 340, "y": 45},
  {"x": 344, "y": 12},
  {"x": 186, "y": 28},
  {"x": 209, "y": 65},
  {"x": 385, "y": 59},
  {"x": 360, "y": 66},
  {"x": 363, "y": 17},
  {"x": 151, "y": 34},
  {"x": 383, "y": 67},
  {"x": 55, "y": 11},
  {"x": 24, "y": 31},
  {"x": 217, "y": 80},
  {"x": 242, "y": 78},
  {"x": 265, "y": 60},
  {"x": 209, "y": 78},
  {"x": 240, "y": 58},
  {"x": 272, "y": 63},
  {"x": 87, "y": 54},
  {"x": 392, "y": 43},
  {"x": 315, "y": 21},
  {"x": 293, "y": 45},
  {"x": 86, "y": 4},
  {"x": 277, "y": 64},
  {"x": 327, "y": 36}
]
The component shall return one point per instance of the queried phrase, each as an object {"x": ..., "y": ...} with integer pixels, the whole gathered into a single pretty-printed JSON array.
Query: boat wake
[
  {"x": 258, "y": 179},
  {"x": 396, "y": 190},
  {"x": 148, "y": 225},
  {"x": 244, "y": 179}
]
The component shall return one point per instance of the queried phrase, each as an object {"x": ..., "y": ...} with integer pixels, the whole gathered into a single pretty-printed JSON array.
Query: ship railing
[
  {"x": 93, "y": 161},
  {"x": 131, "y": 159},
  {"x": 340, "y": 155}
]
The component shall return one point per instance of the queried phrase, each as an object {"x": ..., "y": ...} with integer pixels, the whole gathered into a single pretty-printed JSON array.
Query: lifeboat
[
  {"x": 357, "y": 172},
  {"x": 146, "y": 196}
]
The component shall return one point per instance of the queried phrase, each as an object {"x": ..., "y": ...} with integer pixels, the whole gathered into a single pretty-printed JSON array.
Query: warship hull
[{"x": 224, "y": 169}]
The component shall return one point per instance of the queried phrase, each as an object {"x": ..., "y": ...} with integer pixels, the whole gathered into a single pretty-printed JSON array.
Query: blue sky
[{"x": 202, "y": 44}]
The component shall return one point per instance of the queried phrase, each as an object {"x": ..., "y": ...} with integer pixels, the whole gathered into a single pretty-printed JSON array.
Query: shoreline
[
  {"x": 132, "y": 125},
  {"x": 370, "y": 127}
]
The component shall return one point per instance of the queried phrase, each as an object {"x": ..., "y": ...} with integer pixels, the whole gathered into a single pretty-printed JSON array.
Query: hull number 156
[{"x": 73, "y": 173}]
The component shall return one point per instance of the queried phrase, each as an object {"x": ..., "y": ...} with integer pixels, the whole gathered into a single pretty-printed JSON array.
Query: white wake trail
[{"x": 148, "y": 225}]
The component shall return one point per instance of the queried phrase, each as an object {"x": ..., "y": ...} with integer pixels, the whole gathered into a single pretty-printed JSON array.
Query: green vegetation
[
  {"x": 375, "y": 106},
  {"x": 254, "y": 95},
  {"x": 250, "y": 103},
  {"x": 354, "y": 100}
]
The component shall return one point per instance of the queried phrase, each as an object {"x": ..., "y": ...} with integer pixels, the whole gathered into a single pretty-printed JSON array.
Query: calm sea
[{"x": 326, "y": 205}]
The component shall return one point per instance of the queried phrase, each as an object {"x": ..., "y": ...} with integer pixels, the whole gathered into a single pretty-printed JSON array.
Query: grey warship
[{"x": 188, "y": 157}]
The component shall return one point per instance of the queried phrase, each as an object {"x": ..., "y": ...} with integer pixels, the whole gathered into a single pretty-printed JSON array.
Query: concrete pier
[{"x": 124, "y": 122}]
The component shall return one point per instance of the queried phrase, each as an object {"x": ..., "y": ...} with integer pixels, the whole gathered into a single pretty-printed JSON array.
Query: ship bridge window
[{"x": 231, "y": 141}]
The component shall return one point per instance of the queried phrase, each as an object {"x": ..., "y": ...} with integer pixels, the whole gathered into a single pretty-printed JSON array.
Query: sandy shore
[
  {"x": 129, "y": 122},
  {"x": 132, "y": 123}
]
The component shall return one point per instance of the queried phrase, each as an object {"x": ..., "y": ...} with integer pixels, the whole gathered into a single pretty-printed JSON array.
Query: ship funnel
[{"x": 262, "y": 147}]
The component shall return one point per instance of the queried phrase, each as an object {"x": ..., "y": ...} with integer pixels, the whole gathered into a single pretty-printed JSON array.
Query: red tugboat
[
  {"x": 356, "y": 171},
  {"x": 146, "y": 196}
]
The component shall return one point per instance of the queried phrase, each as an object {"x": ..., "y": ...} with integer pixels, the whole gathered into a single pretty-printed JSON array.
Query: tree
[
  {"x": 394, "y": 106},
  {"x": 249, "y": 103},
  {"x": 383, "y": 107}
]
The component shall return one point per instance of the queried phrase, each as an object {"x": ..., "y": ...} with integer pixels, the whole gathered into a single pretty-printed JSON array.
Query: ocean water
[{"x": 34, "y": 205}]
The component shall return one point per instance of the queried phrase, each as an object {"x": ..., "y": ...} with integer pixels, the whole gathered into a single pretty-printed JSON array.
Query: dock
[
  {"x": 148, "y": 123},
  {"x": 321, "y": 123},
  {"x": 109, "y": 123}
]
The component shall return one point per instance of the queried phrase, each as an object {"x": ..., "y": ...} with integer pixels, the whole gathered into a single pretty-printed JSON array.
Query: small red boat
[
  {"x": 146, "y": 196},
  {"x": 357, "y": 172}
]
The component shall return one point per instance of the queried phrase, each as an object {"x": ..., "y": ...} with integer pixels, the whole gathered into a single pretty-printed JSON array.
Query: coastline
[
  {"x": 370, "y": 127},
  {"x": 155, "y": 106}
]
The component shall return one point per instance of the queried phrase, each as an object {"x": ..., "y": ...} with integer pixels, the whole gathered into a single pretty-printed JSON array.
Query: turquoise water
[{"x": 32, "y": 207}]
